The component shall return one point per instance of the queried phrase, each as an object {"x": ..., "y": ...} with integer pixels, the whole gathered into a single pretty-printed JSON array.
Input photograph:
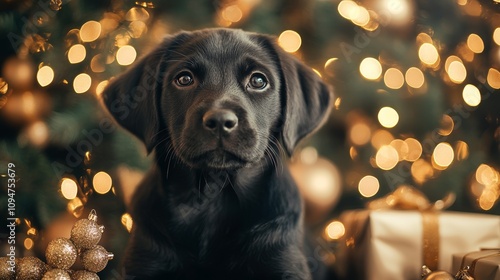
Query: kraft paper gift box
[
  {"x": 387, "y": 244},
  {"x": 482, "y": 265}
]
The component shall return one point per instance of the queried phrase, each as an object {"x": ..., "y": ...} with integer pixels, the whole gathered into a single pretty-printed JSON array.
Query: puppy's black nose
[{"x": 220, "y": 120}]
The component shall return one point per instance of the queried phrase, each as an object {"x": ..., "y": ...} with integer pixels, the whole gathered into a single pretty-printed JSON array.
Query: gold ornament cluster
[{"x": 62, "y": 253}]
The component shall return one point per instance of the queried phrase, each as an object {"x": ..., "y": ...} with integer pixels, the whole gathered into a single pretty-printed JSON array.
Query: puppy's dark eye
[
  {"x": 257, "y": 81},
  {"x": 184, "y": 79}
]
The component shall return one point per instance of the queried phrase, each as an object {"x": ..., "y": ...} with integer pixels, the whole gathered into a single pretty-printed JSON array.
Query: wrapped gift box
[
  {"x": 483, "y": 265},
  {"x": 389, "y": 244}
]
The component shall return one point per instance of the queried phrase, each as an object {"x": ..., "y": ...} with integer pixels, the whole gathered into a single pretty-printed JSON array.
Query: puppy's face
[
  {"x": 222, "y": 99},
  {"x": 218, "y": 98}
]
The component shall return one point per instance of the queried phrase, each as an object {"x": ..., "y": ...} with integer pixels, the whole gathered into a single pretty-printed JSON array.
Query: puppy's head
[{"x": 218, "y": 98}]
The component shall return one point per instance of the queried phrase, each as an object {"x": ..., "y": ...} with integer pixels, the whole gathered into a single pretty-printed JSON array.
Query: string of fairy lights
[{"x": 85, "y": 47}]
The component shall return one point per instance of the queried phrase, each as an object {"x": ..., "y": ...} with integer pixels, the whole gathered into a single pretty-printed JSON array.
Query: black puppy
[{"x": 217, "y": 106}]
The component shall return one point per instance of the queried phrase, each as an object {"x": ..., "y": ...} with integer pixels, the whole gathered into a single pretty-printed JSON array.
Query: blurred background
[{"x": 417, "y": 103}]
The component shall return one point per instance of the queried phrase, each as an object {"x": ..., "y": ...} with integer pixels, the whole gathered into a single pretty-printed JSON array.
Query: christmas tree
[{"x": 416, "y": 103}]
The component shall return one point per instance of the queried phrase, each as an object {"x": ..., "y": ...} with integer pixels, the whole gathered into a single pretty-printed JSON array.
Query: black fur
[{"x": 219, "y": 202}]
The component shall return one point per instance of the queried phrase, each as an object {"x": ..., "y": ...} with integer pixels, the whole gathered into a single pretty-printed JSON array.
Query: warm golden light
[
  {"x": 475, "y": 43},
  {"x": 137, "y": 13},
  {"x": 414, "y": 149},
  {"x": 76, "y": 53},
  {"x": 461, "y": 150},
  {"x": 90, "y": 31},
  {"x": 401, "y": 147},
  {"x": 232, "y": 13},
  {"x": 462, "y": 2},
  {"x": 421, "y": 171},
  {"x": 126, "y": 55},
  {"x": 329, "y": 66},
  {"x": 471, "y": 95},
  {"x": 290, "y": 41},
  {"x": 75, "y": 207},
  {"x": 381, "y": 137},
  {"x": 45, "y": 76},
  {"x": 309, "y": 155},
  {"x": 102, "y": 182},
  {"x": 428, "y": 54},
  {"x": 387, "y": 157},
  {"x": 368, "y": 186},
  {"x": 347, "y": 9},
  {"x": 443, "y": 154},
  {"x": 69, "y": 188},
  {"x": 335, "y": 230},
  {"x": 393, "y": 78},
  {"x": 137, "y": 28},
  {"x": 370, "y": 68},
  {"x": 496, "y": 36},
  {"x": 493, "y": 78},
  {"x": 38, "y": 133},
  {"x": 486, "y": 175},
  {"x": 414, "y": 77},
  {"x": 82, "y": 83},
  {"x": 457, "y": 72},
  {"x": 388, "y": 117},
  {"x": 101, "y": 86},
  {"x": 487, "y": 199},
  {"x": 28, "y": 243},
  {"x": 447, "y": 125},
  {"x": 360, "y": 134},
  {"x": 127, "y": 221},
  {"x": 361, "y": 17},
  {"x": 97, "y": 64}
]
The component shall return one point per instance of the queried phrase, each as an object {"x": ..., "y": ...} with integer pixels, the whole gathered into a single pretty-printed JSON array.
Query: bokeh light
[
  {"x": 493, "y": 78},
  {"x": 102, "y": 182},
  {"x": 380, "y": 138},
  {"x": 335, "y": 230},
  {"x": 368, "y": 186},
  {"x": 90, "y": 31},
  {"x": 471, "y": 95},
  {"x": 347, "y": 9},
  {"x": 428, "y": 54},
  {"x": 69, "y": 188},
  {"x": 393, "y": 78},
  {"x": 360, "y": 133},
  {"x": 290, "y": 41},
  {"x": 82, "y": 83},
  {"x": 101, "y": 86},
  {"x": 387, "y": 157},
  {"x": 127, "y": 221},
  {"x": 421, "y": 171},
  {"x": 414, "y": 149},
  {"x": 45, "y": 76},
  {"x": 496, "y": 36},
  {"x": 388, "y": 117},
  {"x": 126, "y": 55},
  {"x": 456, "y": 70},
  {"x": 443, "y": 154},
  {"x": 370, "y": 68},
  {"x": 461, "y": 150},
  {"x": 232, "y": 13},
  {"x": 414, "y": 77},
  {"x": 401, "y": 147},
  {"x": 475, "y": 43},
  {"x": 77, "y": 53},
  {"x": 447, "y": 125},
  {"x": 486, "y": 175}
]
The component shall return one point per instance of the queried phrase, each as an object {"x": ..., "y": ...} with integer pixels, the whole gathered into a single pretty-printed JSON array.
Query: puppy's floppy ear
[
  {"x": 305, "y": 98},
  {"x": 133, "y": 97}
]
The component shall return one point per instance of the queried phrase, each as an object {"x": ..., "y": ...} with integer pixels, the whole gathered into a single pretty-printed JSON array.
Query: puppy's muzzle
[{"x": 220, "y": 121}]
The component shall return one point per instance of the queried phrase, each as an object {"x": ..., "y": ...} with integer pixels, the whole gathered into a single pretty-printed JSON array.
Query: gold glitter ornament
[
  {"x": 6, "y": 269},
  {"x": 30, "y": 268},
  {"x": 86, "y": 233},
  {"x": 84, "y": 275},
  {"x": 96, "y": 258},
  {"x": 61, "y": 253},
  {"x": 56, "y": 274}
]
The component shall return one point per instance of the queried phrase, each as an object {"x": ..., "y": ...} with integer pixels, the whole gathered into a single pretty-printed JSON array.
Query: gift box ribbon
[{"x": 409, "y": 198}]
